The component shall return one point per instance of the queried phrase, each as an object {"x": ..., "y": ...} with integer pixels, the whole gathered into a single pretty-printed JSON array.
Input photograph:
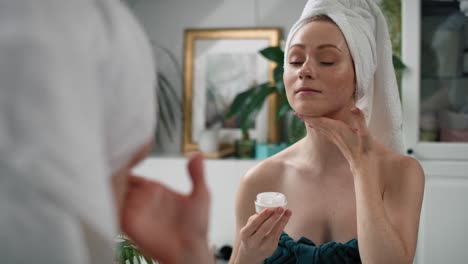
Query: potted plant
[
  {"x": 127, "y": 253},
  {"x": 244, "y": 108},
  {"x": 168, "y": 102}
]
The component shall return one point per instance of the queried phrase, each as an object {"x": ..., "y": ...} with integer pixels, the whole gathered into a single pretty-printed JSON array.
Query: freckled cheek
[{"x": 340, "y": 83}]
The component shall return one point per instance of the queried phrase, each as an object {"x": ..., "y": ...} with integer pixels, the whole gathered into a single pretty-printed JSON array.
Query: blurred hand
[
  {"x": 259, "y": 237},
  {"x": 166, "y": 225}
]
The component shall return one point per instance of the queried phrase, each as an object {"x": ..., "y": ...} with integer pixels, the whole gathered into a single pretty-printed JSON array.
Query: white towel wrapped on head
[{"x": 365, "y": 30}]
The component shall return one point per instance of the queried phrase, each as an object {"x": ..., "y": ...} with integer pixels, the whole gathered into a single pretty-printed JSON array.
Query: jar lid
[{"x": 271, "y": 199}]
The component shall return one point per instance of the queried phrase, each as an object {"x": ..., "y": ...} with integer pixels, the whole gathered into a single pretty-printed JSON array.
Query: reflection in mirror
[{"x": 320, "y": 212}]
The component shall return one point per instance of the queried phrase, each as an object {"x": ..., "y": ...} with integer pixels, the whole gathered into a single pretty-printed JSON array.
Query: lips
[{"x": 308, "y": 89}]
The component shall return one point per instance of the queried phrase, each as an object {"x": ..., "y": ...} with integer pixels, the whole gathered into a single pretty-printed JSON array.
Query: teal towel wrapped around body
[{"x": 305, "y": 251}]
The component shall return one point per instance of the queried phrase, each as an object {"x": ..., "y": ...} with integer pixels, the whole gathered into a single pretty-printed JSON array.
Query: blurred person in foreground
[{"x": 77, "y": 114}]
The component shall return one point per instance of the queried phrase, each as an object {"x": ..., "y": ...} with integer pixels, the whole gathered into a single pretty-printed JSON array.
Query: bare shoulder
[
  {"x": 401, "y": 172},
  {"x": 267, "y": 174}
]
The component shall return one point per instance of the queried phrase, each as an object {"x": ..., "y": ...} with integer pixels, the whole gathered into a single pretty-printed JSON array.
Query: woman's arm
[
  {"x": 387, "y": 223},
  {"x": 387, "y": 213}
]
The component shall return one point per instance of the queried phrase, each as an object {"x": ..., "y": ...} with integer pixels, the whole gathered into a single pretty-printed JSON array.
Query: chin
[
  {"x": 309, "y": 110},
  {"x": 319, "y": 109}
]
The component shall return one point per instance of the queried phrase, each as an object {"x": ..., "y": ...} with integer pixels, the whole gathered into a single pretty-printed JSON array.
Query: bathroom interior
[{"x": 429, "y": 37}]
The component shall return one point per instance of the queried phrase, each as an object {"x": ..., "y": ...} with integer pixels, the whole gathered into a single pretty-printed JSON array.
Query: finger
[
  {"x": 265, "y": 228},
  {"x": 257, "y": 221},
  {"x": 360, "y": 120},
  {"x": 335, "y": 131},
  {"x": 320, "y": 130},
  {"x": 196, "y": 171},
  {"x": 279, "y": 226},
  {"x": 322, "y": 126},
  {"x": 332, "y": 125},
  {"x": 136, "y": 181}
]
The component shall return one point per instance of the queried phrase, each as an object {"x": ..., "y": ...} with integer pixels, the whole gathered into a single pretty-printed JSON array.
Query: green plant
[
  {"x": 167, "y": 101},
  {"x": 128, "y": 253},
  {"x": 246, "y": 106},
  {"x": 392, "y": 12},
  {"x": 169, "y": 105}
]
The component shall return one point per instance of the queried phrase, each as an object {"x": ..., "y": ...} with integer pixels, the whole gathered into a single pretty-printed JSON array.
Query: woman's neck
[
  {"x": 317, "y": 149},
  {"x": 320, "y": 151}
]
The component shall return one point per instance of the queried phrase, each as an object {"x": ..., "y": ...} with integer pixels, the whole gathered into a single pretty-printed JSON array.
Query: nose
[{"x": 306, "y": 73}]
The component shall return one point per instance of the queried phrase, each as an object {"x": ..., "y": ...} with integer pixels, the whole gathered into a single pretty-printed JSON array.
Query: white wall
[
  {"x": 442, "y": 229},
  {"x": 165, "y": 22}
]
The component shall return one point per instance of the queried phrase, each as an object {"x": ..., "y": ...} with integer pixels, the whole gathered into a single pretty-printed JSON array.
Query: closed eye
[
  {"x": 327, "y": 63},
  {"x": 296, "y": 62}
]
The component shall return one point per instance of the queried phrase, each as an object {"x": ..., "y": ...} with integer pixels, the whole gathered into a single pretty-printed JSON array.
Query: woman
[
  {"x": 346, "y": 181},
  {"x": 77, "y": 114}
]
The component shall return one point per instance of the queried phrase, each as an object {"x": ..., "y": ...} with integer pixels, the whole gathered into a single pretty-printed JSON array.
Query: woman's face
[{"x": 319, "y": 72}]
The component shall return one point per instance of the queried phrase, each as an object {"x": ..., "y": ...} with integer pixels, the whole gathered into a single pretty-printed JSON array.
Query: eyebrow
[{"x": 323, "y": 46}]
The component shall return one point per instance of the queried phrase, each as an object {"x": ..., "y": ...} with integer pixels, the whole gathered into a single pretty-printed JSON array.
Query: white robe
[{"x": 76, "y": 101}]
